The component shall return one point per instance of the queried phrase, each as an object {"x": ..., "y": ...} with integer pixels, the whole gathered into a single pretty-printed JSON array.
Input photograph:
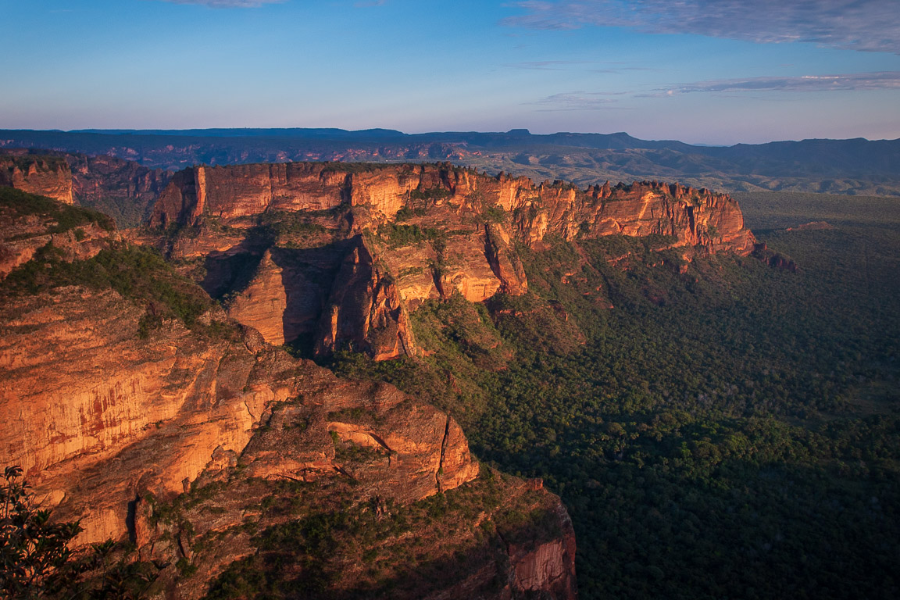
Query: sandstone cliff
[
  {"x": 42, "y": 175},
  {"x": 428, "y": 232},
  {"x": 692, "y": 217},
  {"x": 35, "y": 224},
  {"x": 365, "y": 311},
  {"x": 185, "y": 433},
  {"x": 119, "y": 188},
  {"x": 108, "y": 425}
]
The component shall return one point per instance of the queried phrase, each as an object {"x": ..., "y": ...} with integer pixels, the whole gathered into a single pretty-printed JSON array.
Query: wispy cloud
[
  {"x": 579, "y": 101},
  {"x": 561, "y": 65},
  {"x": 544, "y": 65},
  {"x": 227, "y": 3},
  {"x": 871, "y": 25},
  {"x": 882, "y": 80}
]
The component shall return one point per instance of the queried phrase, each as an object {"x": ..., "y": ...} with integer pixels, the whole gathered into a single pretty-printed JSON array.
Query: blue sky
[{"x": 702, "y": 71}]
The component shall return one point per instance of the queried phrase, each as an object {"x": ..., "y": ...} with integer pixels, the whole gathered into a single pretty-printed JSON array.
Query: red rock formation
[
  {"x": 105, "y": 183},
  {"x": 242, "y": 190},
  {"x": 42, "y": 175},
  {"x": 365, "y": 311},
  {"x": 86, "y": 401},
  {"x": 108, "y": 425},
  {"x": 474, "y": 220},
  {"x": 692, "y": 217},
  {"x": 23, "y": 235},
  {"x": 548, "y": 565}
]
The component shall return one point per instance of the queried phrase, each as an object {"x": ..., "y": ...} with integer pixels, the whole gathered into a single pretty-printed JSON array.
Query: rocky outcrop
[
  {"x": 546, "y": 565},
  {"x": 30, "y": 224},
  {"x": 180, "y": 442},
  {"x": 37, "y": 174},
  {"x": 425, "y": 231},
  {"x": 263, "y": 304},
  {"x": 241, "y": 190},
  {"x": 365, "y": 311},
  {"x": 86, "y": 400},
  {"x": 763, "y": 253},
  {"x": 692, "y": 217}
]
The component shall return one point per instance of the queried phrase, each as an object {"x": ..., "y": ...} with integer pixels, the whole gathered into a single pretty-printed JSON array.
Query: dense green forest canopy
[{"x": 724, "y": 430}]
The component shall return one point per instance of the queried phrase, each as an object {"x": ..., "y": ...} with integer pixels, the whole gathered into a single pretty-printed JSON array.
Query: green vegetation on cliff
[
  {"x": 137, "y": 273},
  {"x": 15, "y": 204},
  {"x": 728, "y": 430}
]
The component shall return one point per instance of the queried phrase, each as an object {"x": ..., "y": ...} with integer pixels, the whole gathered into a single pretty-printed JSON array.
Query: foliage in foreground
[{"x": 33, "y": 550}]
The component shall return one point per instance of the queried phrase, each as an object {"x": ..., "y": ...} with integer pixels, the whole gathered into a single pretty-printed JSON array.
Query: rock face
[
  {"x": 42, "y": 225},
  {"x": 547, "y": 565},
  {"x": 428, "y": 232},
  {"x": 243, "y": 190},
  {"x": 108, "y": 425},
  {"x": 365, "y": 311},
  {"x": 119, "y": 188},
  {"x": 42, "y": 175},
  {"x": 692, "y": 217},
  {"x": 123, "y": 189},
  {"x": 85, "y": 400}
]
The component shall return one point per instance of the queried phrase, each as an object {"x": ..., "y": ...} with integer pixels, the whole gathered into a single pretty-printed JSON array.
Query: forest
[{"x": 718, "y": 428}]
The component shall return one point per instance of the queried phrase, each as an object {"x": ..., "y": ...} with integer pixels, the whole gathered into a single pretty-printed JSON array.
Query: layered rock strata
[
  {"x": 692, "y": 217},
  {"x": 108, "y": 425},
  {"x": 86, "y": 399},
  {"x": 120, "y": 188},
  {"x": 426, "y": 231},
  {"x": 41, "y": 175}
]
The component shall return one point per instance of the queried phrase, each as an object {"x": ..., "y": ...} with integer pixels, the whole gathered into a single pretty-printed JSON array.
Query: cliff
[
  {"x": 138, "y": 408},
  {"x": 692, "y": 217},
  {"x": 119, "y": 188},
  {"x": 188, "y": 441},
  {"x": 423, "y": 232},
  {"x": 42, "y": 175},
  {"x": 35, "y": 224}
]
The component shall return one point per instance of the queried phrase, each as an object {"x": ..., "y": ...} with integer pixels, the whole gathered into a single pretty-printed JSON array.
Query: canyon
[
  {"x": 289, "y": 243},
  {"x": 181, "y": 433}
]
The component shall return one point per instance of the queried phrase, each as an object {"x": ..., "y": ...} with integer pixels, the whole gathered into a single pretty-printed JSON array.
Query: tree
[{"x": 33, "y": 550}]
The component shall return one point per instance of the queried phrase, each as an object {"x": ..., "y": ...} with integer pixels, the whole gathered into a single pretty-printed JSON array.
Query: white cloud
[
  {"x": 580, "y": 101},
  {"x": 870, "y": 25},
  {"x": 882, "y": 80}
]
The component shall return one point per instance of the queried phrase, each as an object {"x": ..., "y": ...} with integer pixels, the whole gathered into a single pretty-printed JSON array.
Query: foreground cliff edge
[
  {"x": 138, "y": 408},
  {"x": 153, "y": 415}
]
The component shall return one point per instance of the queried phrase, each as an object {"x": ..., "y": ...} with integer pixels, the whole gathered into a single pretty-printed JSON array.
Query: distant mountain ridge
[{"x": 854, "y": 166}]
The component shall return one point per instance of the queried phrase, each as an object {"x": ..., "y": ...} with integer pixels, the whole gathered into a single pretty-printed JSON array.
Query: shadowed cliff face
[
  {"x": 427, "y": 232},
  {"x": 121, "y": 189},
  {"x": 365, "y": 311},
  {"x": 139, "y": 409}
]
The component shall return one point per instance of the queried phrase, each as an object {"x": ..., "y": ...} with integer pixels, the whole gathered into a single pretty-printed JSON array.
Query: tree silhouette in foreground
[{"x": 33, "y": 550}]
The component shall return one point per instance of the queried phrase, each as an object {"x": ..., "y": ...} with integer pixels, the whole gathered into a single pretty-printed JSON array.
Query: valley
[{"x": 291, "y": 371}]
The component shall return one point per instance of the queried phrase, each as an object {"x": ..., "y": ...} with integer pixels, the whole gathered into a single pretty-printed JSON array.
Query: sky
[{"x": 700, "y": 71}]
